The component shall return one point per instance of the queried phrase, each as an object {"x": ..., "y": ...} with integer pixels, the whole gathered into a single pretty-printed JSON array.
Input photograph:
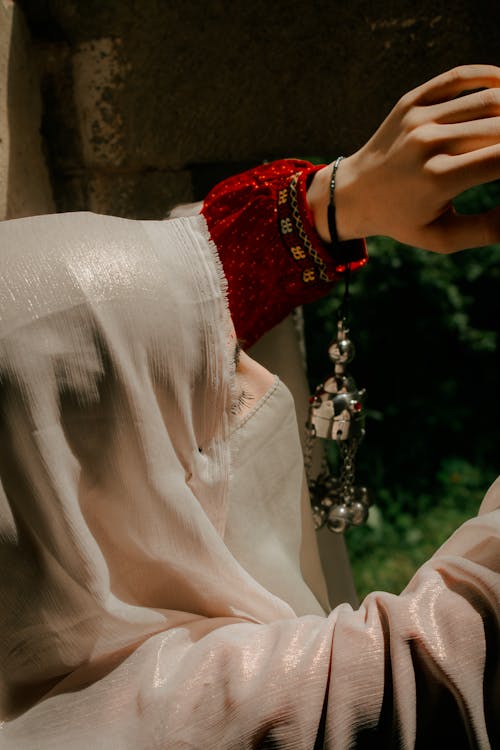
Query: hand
[{"x": 430, "y": 148}]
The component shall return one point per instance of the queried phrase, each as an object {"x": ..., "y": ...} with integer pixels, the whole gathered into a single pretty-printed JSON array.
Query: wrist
[
  {"x": 348, "y": 208},
  {"x": 317, "y": 199}
]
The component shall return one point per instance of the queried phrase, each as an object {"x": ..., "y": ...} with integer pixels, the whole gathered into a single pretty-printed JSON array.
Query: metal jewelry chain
[
  {"x": 348, "y": 449},
  {"x": 336, "y": 412}
]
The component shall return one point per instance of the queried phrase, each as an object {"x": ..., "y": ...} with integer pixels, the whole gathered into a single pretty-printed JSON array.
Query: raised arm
[
  {"x": 437, "y": 142},
  {"x": 270, "y": 223}
]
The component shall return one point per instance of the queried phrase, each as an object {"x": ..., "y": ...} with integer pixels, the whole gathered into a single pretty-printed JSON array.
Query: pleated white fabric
[{"x": 126, "y": 620}]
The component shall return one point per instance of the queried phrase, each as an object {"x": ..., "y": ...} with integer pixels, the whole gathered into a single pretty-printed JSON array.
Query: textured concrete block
[
  {"x": 24, "y": 182},
  {"x": 98, "y": 79},
  {"x": 139, "y": 195}
]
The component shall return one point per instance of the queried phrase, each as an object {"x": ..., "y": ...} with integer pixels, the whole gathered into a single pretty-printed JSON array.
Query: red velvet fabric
[{"x": 272, "y": 255}]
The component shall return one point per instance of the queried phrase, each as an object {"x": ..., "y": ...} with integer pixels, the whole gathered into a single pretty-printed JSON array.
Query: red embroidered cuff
[
  {"x": 273, "y": 258},
  {"x": 318, "y": 260}
]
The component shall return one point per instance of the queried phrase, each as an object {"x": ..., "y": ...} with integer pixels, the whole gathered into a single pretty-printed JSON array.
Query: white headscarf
[{"x": 116, "y": 397}]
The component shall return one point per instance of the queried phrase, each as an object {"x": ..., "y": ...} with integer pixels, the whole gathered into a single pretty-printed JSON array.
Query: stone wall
[
  {"x": 147, "y": 103},
  {"x": 24, "y": 181}
]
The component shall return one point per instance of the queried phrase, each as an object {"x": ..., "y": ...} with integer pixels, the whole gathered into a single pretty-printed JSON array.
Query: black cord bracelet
[{"x": 332, "y": 222}]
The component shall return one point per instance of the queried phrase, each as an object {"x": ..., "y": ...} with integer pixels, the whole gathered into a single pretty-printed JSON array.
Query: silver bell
[
  {"x": 342, "y": 351},
  {"x": 339, "y": 518},
  {"x": 359, "y": 513}
]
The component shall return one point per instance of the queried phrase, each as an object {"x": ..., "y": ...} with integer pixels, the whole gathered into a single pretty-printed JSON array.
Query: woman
[{"x": 151, "y": 592}]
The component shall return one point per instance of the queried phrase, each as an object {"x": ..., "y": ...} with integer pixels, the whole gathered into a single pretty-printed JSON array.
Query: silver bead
[
  {"x": 339, "y": 518},
  {"x": 319, "y": 516},
  {"x": 332, "y": 485},
  {"x": 362, "y": 495},
  {"x": 342, "y": 351},
  {"x": 327, "y": 502}
]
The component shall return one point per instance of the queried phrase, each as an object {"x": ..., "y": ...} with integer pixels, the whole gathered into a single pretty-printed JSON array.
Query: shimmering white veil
[{"x": 116, "y": 378}]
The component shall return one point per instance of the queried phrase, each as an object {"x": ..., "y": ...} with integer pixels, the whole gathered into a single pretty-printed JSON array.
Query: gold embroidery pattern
[
  {"x": 308, "y": 275},
  {"x": 300, "y": 229},
  {"x": 298, "y": 252},
  {"x": 286, "y": 226},
  {"x": 282, "y": 197}
]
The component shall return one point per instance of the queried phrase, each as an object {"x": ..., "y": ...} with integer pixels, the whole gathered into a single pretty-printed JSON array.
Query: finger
[
  {"x": 460, "y": 138},
  {"x": 453, "y": 232},
  {"x": 448, "y": 85},
  {"x": 466, "y": 108},
  {"x": 463, "y": 171}
]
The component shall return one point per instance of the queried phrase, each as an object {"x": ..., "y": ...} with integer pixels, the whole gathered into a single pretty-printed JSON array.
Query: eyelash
[{"x": 242, "y": 401}]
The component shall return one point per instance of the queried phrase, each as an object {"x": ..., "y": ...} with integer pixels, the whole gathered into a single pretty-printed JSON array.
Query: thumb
[{"x": 452, "y": 232}]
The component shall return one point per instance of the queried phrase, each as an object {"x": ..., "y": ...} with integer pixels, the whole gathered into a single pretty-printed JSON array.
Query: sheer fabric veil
[{"x": 116, "y": 376}]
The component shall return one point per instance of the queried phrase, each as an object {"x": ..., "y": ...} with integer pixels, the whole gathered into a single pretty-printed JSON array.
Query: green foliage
[
  {"x": 426, "y": 330},
  {"x": 386, "y": 552}
]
